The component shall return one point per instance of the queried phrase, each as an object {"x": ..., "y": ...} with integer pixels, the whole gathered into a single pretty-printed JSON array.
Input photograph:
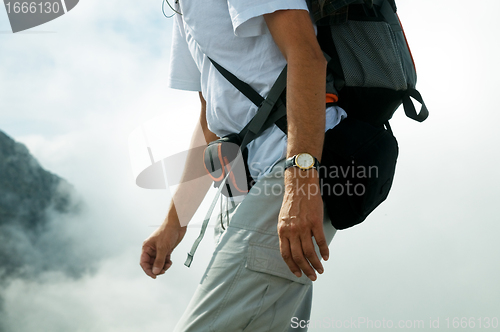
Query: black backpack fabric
[{"x": 357, "y": 169}]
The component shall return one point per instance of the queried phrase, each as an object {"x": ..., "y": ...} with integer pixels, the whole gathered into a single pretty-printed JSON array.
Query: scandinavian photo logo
[{"x": 24, "y": 15}]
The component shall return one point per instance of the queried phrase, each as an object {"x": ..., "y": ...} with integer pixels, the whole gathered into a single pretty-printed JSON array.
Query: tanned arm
[
  {"x": 156, "y": 250},
  {"x": 301, "y": 215}
]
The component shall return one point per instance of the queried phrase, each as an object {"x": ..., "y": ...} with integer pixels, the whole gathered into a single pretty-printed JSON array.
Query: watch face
[{"x": 304, "y": 161}]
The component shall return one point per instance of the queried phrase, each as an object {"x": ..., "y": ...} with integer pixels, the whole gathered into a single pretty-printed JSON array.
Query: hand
[
  {"x": 156, "y": 250},
  {"x": 301, "y": 218}
]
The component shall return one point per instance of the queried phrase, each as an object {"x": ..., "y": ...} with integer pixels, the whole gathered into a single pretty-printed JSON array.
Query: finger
[
  {"x": 166, "y": 267},
  {"x": 319, "y": 236},
  {"x": 300, "y": 260},
  {"x": 168, "y": 264},
  {"x": 310, "y": 252},
  {"x": 160, "y": 260},
  {"x": 286, "y": 254},
  {"x": 146, "y": 261}
]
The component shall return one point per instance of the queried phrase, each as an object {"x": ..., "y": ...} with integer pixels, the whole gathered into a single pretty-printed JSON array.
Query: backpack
[
  {"x": 371, "y": 72},
  {"x": 370, "y": 68}
]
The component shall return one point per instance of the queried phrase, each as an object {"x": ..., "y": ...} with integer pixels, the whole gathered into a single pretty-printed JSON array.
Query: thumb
[{"x": 161, "y": 254}]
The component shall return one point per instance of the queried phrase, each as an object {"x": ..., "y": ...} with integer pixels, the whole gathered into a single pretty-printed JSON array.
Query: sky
[{"x": 76, "y": 89}]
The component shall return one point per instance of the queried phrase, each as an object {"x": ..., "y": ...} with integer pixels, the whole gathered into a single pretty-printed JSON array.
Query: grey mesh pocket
[{"x": 369, "y": 55}]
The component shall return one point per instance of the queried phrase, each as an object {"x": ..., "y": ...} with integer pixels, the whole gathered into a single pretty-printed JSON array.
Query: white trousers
[{"x": 247, "y": 286}]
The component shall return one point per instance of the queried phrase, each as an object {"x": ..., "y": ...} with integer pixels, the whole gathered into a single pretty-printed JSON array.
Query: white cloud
[{"x": 75, "y": 95}]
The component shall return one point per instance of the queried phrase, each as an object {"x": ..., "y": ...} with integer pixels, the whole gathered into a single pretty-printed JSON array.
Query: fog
[{"x": 73, "y": 90}]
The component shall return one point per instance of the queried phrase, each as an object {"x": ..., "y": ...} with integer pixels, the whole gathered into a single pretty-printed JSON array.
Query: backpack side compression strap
[
  {"x": 409, "y": 108},
  {"x": 388, "y": 10}
]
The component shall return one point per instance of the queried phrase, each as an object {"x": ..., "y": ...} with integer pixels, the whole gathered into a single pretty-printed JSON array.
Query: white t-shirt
[{"x": 234, "y": 34}]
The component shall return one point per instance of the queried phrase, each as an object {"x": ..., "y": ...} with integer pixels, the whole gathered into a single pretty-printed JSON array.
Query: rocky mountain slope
[{"x": 30, "y": 199}]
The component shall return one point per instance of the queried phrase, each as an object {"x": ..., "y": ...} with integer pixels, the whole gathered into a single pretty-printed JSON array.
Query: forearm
[
  {"x": 194, "y": 182},
  {"x": 301, "y": 214},
  {"x": 305, "y": 83},
  {"x": 306, "y": 105}
]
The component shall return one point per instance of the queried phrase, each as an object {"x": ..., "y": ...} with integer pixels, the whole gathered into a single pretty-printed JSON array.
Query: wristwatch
[{"x": 304, "y": 161}]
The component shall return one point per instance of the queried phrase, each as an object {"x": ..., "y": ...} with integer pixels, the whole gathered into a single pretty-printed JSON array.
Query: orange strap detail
[
  {"x": 221, "y": 177},
  {"x": 331, "y": 98},
  {"x": 231, "y": 175}
]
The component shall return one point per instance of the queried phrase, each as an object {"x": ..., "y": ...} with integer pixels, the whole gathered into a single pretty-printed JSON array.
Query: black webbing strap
[
  {"x": 409, "y": 108},
  {"x": 261, "y": 120},
  {"x": 243, "y": 87},
  {"x": 282, "y": 124},
  {"x": 388, "y": 10},
  {"x": 258, "y": 124},
  {"x": 278, "y": 117}
]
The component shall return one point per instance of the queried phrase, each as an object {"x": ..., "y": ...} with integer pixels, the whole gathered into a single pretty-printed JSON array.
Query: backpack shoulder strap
[
  {"x": 243, "y": 87},
  {"x": 263, "y": 119}
]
